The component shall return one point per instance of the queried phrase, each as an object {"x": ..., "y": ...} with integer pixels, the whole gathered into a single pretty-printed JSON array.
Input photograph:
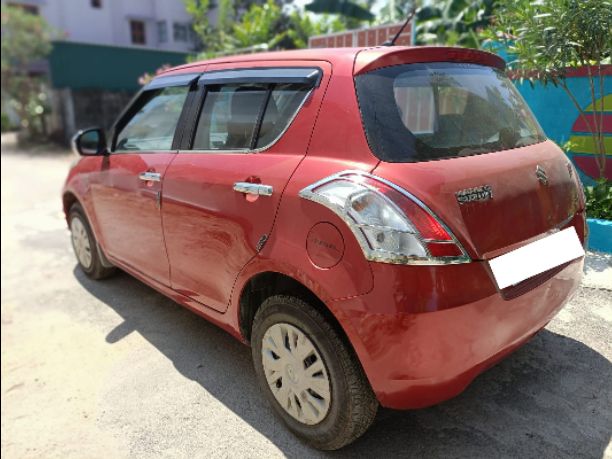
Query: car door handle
[
  {"x": 150, "y": 176},
  {"x": 253, "y": 188}
]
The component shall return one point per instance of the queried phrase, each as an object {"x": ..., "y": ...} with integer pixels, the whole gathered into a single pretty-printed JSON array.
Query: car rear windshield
[{"x": 423, "y": 112}]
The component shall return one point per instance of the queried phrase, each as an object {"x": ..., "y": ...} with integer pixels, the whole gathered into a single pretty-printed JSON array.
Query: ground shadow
[{"x": 552, "y": 398}]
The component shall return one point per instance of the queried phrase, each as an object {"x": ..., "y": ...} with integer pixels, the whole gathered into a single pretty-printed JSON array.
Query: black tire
[
  {"x": 96, "y": 269},
  {"x": 353, "y": 405}
]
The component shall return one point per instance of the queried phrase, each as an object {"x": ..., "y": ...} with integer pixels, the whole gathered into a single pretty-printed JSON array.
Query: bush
[
  {"x": 6, "y": 122},
  {"x": 599, "y": 200}
]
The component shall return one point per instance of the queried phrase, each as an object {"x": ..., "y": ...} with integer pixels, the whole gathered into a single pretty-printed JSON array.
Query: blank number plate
[{"x": 537, "y": 257}]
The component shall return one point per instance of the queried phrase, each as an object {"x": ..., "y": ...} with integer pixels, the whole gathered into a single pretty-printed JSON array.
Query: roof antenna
[{"x": 411, "y": 14}]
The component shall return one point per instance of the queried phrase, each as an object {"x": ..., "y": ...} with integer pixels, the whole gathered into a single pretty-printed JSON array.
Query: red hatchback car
[{"x": 380, "y": 225}]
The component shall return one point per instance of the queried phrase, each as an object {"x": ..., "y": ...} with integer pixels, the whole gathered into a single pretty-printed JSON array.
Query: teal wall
[
  {"x": 557, "y": 115},
  {"x": 87, "y": 66}
]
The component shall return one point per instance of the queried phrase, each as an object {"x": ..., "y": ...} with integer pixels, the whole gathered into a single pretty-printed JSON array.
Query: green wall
[{"x": 81, "y": 65}]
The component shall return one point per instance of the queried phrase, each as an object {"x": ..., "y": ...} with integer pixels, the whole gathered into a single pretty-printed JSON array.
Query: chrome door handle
[
  {"x": 253, "y": 188},
  {"x": 150, "y": 176}
]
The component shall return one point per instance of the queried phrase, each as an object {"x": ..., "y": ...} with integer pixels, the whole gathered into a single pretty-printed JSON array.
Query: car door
[
  {"x": 221, "y": 192},
  {"x": 127, "y": 194}
]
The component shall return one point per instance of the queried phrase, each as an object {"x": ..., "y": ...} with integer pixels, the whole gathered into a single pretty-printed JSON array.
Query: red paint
[
  {"x": 592, "y": 120},
  {"x": 422, "y": 333},
  {"x": 519, "y": 201},
  {"x": 588, "y": 165}
]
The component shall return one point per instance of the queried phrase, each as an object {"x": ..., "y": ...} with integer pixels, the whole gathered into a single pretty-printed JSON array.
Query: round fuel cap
[{"x": 325, "y": 245}]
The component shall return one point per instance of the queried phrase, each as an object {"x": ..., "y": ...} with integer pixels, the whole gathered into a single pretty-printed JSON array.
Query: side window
[
  {"x": 229, "y": 117},
  {"x": 152, "y": 126},
  {"x": 246, "y": 116}
]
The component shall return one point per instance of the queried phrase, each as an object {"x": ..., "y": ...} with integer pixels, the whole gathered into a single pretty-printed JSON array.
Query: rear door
[
  {"x": 127, "y": 190},
  {"x": 251, "y": 129}
]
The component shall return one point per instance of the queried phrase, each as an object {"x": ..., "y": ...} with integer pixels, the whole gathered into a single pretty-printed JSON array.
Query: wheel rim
[
  {"x": 296, "y": 373},
  {"x": 80, "y": 242}
]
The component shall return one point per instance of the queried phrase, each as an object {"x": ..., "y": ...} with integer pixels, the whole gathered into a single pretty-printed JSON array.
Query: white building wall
[{"x": 79, "y": 21}]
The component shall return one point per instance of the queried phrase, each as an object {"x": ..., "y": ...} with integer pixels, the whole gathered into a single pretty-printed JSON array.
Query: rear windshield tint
[{"x": 423, "y": 112}]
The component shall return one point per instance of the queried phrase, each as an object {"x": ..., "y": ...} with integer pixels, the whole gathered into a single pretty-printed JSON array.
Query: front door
[
  {"x": 220, "y": 196},
  {"x": 127, "y": 194}
]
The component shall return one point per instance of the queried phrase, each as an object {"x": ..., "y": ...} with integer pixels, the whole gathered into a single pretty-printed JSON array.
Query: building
[
  {"x": 101, "y": 50},
  {"x": 156, "y": 24}
]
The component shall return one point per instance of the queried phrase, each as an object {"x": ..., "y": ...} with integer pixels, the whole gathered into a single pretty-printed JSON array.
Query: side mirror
[{"x": 89, "y": 142}]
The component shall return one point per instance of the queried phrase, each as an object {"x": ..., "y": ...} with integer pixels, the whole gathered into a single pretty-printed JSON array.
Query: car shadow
[{"x": 551, "y": 398}]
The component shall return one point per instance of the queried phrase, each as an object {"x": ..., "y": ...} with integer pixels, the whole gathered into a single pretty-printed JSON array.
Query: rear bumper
[{"x": 415, "y": 358}]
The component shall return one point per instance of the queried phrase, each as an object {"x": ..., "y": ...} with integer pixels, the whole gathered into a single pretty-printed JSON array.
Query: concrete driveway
[{"x": 114, "y": 369}]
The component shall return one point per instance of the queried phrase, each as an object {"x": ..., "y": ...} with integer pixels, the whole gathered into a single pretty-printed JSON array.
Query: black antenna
[{"x": 411, "y": 14}]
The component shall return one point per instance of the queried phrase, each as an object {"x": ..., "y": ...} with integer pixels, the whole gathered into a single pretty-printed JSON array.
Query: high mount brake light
[{"x": 390, "y": 224}]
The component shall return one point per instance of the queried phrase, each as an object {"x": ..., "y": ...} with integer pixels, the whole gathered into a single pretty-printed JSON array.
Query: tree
[
  {"x": 395, "y": 11},
  {"x": 453, "y": 22},
  {"x": 256, "y": 25},
  {"x": 273, "y": 27},
  {"x": 548, "y": 37},
  {"x": 350, "y": 12},
  {"x": 26, "y": 38}
]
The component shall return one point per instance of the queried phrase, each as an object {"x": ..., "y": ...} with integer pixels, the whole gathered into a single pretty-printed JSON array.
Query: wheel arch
[
  {"x": 265, "y": 284},
  {"x": 69, "y": 198}
]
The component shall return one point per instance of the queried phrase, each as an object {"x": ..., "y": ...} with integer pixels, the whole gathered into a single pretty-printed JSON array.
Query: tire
[
  {"x": 85, "y": 246},
  {"x": 326, "y": 423}
]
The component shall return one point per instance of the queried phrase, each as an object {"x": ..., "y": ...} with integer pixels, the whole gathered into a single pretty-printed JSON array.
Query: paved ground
[{"x": 113, "y": 369}]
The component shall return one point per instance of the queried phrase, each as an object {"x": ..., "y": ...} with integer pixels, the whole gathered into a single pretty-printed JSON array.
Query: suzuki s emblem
[
  {"x": 479, "y": 193},
  {"x": 541, "y": 175}
]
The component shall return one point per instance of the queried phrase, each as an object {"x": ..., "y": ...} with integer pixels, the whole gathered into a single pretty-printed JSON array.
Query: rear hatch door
[{"x": 494, "y": 202}]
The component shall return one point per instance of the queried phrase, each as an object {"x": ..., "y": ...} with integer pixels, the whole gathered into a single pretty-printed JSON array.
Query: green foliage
[
  {"x": 599, "y": 200},
  {"x": 6, "y": 122},
  {"x": 395, "y": 11},
  {"x": 26, "y": 38},
  {"x": 453, "y": 22},
  {"x": 259, "y": 25},
  {"x": 262, "y": 26},
  {"x": 198, "y": 9},
  {"x": 347, "y": 9},
  {"x": 546, "y": 37},
  {"x": 272, "y": 27}
]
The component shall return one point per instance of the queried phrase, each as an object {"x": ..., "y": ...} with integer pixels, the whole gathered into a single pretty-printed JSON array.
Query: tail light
[{"x": 390, "y": 224}]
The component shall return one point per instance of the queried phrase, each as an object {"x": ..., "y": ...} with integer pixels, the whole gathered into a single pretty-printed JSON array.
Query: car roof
[{"x": 369, "y": 57}]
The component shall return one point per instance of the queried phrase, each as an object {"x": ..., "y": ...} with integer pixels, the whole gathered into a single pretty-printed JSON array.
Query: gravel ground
[{"x": 114, "y": 369}]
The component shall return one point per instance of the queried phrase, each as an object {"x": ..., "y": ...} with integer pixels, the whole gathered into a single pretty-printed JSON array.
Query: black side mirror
[{"x": 90, "y": 142}]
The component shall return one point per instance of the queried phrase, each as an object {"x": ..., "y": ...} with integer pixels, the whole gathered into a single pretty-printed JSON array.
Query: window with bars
[{"x": 138, "y": 32}]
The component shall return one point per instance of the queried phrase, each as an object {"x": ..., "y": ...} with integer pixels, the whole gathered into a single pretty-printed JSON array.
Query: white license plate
[{"x": 537, "y": 257}]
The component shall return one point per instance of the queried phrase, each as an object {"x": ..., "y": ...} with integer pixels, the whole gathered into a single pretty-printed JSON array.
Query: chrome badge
[
  {"x": 541, "y": 175},
  {"x": 479, "y": 193}
]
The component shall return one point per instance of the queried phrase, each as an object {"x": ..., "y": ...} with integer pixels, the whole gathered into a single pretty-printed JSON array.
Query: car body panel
[
  {"x": 212, "y": 231},
  {"x": 417, "y": 359},
  {"x": 519, "y": 200},
  {"x": 128, "y": 211}
]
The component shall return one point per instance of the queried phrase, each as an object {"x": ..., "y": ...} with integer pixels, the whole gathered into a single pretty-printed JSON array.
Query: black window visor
[{"x": 304, "y": 75}]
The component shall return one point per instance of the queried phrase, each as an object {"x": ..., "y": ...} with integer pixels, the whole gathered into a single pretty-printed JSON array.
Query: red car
[{"x": 380, "y": 225}]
